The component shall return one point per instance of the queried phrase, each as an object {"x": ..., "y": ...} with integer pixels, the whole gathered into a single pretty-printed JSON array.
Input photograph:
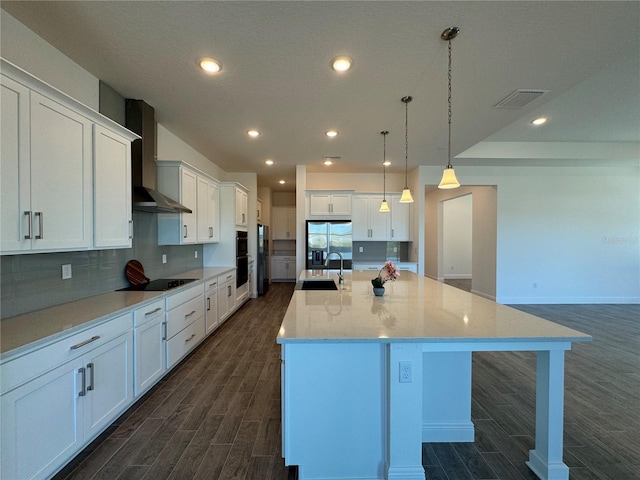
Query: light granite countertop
[
  {"x": 413, "y": 309},
  {"x": 24, "y": 332}
]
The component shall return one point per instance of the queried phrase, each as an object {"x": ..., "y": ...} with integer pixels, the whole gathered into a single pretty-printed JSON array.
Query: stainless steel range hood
[{"x": 140, "y": 119}]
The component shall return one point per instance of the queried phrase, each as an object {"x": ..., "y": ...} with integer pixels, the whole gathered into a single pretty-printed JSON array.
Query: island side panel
[
  {"x": 334, "y": 409},
  {"x": 446, "y": 399}
]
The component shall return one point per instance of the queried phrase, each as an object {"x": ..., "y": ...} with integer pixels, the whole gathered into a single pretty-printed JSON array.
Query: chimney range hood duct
[{"x": 140, "y": 119}]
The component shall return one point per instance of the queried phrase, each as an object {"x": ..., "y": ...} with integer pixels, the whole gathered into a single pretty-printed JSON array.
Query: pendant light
[
  {"x": 449, "y": 179},
  {"x": 384, "y": 206},
  {"x": 406, "y": 193}
]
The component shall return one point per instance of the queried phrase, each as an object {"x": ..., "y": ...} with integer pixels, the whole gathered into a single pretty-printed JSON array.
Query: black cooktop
[{"x": 159, "y": 285}]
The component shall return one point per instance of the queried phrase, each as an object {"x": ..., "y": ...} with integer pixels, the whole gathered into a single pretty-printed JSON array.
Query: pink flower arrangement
[{"x": 388, "y": 272}]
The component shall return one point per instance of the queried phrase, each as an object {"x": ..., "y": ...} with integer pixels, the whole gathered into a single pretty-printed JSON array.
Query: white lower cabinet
[
  {"x": 49, "y": 418},
  {"x": 283, "y": 268},
  {"x": 226, "y": 295},
  {"x": 149, "y": 348},
  {"x": 212, "y": 319},
  {"x": 185, "y": 322}
]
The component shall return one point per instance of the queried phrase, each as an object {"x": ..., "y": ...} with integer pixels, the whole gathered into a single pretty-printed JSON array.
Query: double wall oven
[{"x": 242, "y": 259}]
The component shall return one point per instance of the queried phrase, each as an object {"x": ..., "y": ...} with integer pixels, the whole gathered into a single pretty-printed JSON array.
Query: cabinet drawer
[
  {"x": 211, "y": 286},
  {"x": 184, "y": 315},
  {"x": 184, "y": 342},
  {"x": 33, "y": 364},
  {"x": 179, "y": 298},
  {"x": 149, "y": 312}
]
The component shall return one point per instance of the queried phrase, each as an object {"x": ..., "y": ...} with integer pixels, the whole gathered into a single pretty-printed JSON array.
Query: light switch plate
[{"x": 66, "y": 271}]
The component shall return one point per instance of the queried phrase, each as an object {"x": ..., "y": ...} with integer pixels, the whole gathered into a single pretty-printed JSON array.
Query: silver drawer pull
[
  {"x": 40, "y": 216},
  {"x": 190, "y": 313},
  {"x": 164, "y": 330},
  {"x": 83, "y": 392},
  {"x": 153, "y": 311},
  {"x": 28, "y": 235},
  {"x": 86, "y": 342},
  {"x": 91, "y": 377},
  {"x": 190, "y": 338}
]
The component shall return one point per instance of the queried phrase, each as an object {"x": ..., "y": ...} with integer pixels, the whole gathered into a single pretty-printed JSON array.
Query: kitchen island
[{"x": 366, "y": 380}]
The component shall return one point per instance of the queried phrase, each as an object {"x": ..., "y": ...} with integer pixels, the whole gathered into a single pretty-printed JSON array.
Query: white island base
[{"x": 358, "y": 401}]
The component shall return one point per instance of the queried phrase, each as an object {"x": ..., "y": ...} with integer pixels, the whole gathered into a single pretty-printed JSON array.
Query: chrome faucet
[{"x": 326, "y": 263}]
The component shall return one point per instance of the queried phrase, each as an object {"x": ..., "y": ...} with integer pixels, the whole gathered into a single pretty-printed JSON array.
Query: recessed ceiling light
[
  {"x": 210, "y": 65},
  {"x": 281, "y": 182},
  {"x": 386, "y": 163},
  {"x": 539, "y": 121},
  {"x": 328, "y": 162},
  {"x": 253, "y": 133},
  {"x": 268, "y": 161},
  {"x": 331, "y": 133},
  {"x": 341, "y": 64}
]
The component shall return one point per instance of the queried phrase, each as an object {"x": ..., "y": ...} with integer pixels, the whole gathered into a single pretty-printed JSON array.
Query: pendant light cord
[
  {"x": 406, "y": 101},
  {"x": 449, "y": 102},
  {"x": 384, "y": 167}
]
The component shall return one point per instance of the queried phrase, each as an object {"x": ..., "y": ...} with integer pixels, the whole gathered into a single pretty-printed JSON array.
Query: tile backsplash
[{"x": 34, "y": 281}]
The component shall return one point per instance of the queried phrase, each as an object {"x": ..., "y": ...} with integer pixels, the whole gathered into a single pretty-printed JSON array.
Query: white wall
[
  {"x": 359, "y": 182},
  {"x": 456, "y": 237},
  {"x": 564, "y": 234},
  {"x": 32, "y": 53}
]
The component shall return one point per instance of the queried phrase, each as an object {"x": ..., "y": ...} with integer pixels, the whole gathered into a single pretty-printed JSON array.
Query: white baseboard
[{"x": 448, "y": 432}]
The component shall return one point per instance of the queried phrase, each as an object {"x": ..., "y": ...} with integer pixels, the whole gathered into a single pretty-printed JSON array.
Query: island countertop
[{"x": 413, "y": 309}]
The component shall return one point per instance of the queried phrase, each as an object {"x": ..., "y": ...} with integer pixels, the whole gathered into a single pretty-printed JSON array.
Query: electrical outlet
[
  {"x": 406, "y": 373},
  {"x": 66, "y": 271},
  {"x": 164, "y": 258},
  {"x": 196, "y": 254},
  {"x": 361, "y": 249}
]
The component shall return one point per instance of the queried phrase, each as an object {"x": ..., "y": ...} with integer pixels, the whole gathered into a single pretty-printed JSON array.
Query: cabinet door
[
  {"x": 112, "y": 189},
  {"x": 291, "y": 269},
  {"x": 284, "y": 223},
  {"x": 278, "y": 270},
  {"x": 319, "y": 204},
  {"x": 188, "y": 197},
  {"x": 207, "y": 211},
  {"x": 360, "y": 221},
  {"x": 241, "y": 207},
  {"x": 149, "y": 355},
  {"x": 211, "y": 307},
  {"x": 341, "y": 204},
  {"x": 15, "y": 225},
  {"x": 400, "y": 220},
  {"x": 378, "y": 221},
  {"x": 41, "y": 428},
  {"x": 61, "y": 177},
  {"x": 109, "y": 381}
]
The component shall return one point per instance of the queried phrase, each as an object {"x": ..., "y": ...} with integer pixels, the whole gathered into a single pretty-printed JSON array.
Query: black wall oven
[{"x": 242, "y": 259}]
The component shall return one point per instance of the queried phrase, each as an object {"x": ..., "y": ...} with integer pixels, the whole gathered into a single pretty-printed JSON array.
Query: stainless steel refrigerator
[
  {"x": 263, "y": 259},
  {"x": 327, "y": 236}
]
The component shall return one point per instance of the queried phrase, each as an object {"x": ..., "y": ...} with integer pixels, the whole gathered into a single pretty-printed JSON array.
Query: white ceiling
[{"x": 276, "y": 77}]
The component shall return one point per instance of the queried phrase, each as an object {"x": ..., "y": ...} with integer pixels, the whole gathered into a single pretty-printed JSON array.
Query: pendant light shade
[
  {"x": 384, "y": 206},
  {"x": 406, "y": 193},
  {"x": 449, "y": 179}
]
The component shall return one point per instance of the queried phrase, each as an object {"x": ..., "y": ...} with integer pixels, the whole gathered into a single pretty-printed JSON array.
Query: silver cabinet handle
[
  {"x": 164, "y": 330},
  {"x": 189, "y": 314},
  {"x": 210, "y": 232},
  {"x": 229, "y": 276},
  {"x": 91, "y": 377},
  {"x": 130, "y": 229},
  {"x": 208, "y": 304},
  {"x": 186, "y": 230},
  {"x": 83, "y": 392},
  {"x": 228, "y": 290},
  {"x": 86, "y": 342},
  {"x": 153, "y": 311},
  {"x": 28, "y": 235},
  {"x": 190, "y": 338},
  {"x": 40, "y": 216},
  {"x": 392, "y": 233}
]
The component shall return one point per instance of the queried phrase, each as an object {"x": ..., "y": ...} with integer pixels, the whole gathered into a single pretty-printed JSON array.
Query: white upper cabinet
[
  {"x": 329, "y": 204},
  {"x": 368, "y": 222},
  {"x": 242, "y": 211},
  {"x": 113, "y": 225},
  {"x": 400, "y": 230},
  {"x": 50, "y": 161},
  {"x": 178, "y": 181},
  {"x": 284, "y": 223},
  {"x": 207, "y": 211}
]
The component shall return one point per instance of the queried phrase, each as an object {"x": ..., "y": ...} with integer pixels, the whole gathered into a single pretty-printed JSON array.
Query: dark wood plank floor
[{"x": 217, "y": 416}]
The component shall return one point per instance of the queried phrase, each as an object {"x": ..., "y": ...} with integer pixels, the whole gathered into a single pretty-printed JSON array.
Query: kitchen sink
[{"x": 318, "y": 285}]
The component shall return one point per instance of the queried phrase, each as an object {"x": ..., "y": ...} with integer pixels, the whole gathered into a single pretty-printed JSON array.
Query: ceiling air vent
[{"x": 520, "y": 98}]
